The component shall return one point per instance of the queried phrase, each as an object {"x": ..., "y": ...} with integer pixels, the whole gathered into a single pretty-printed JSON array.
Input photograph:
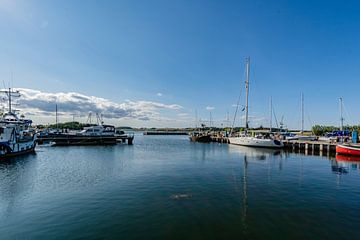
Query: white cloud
[
  {"x": 159, "y": 94},
  {"x": 34, "y": 102},
  {"x": 210, "y": 108}
]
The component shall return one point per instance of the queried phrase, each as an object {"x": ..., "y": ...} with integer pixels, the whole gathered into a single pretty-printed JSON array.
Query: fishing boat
[
  {"x": 16, "y": 135},
  {"x": 350, "y": 149},
  {"x": 245, "y": 139}
]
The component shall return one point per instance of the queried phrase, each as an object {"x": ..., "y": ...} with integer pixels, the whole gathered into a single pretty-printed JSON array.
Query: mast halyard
[{"x": 247, "y": 93}]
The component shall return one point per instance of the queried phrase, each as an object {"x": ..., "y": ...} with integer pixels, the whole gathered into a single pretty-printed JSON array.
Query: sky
[{"x": 162, "y": 63}]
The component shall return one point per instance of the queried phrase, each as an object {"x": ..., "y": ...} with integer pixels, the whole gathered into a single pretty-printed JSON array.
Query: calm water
[{"x": 169, "y": 188}]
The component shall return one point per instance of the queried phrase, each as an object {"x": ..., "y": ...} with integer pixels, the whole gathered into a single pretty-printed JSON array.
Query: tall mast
[
  {"x": 247, "y": 93},
  {"x": 9, "y": 100},
  {"x": 270, "y": 114},
  {"x": 56, "y": 116},
  {"x": 196, "y": 119},
  {"x": 302, "y": 112},
  {"x": 341, "y": 114},
  {"x": 10, "y": 93}
]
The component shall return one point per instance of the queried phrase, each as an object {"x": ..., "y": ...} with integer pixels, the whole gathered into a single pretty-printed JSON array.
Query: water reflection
[
  {"x": 256, "y": 153},
  {"x": 343, "y": 164},
  {"x": 15, "y": 174}
]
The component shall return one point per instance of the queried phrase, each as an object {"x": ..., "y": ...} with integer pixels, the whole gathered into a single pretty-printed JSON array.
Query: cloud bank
[{"x": 34, "y": 102}]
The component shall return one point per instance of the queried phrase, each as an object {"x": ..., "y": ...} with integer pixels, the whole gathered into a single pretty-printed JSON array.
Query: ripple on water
[{"x": 168, "y": 187}]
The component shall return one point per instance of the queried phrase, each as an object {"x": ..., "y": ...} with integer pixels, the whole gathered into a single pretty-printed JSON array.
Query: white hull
[
  {"x": 256, "y": 142},
  {"x": 301, "y": 137}
]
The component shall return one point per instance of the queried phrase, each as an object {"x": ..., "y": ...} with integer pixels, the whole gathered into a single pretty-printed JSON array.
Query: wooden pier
[
  {"x": 315, "y": 146},
  {"x": 296, "y": 145},
  {"x": 319, "y": 148},
  {"x": 68, "y": 140}
]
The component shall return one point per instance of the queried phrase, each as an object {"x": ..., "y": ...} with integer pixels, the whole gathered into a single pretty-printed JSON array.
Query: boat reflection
[
  {"x": 256, "y": 153},
  {"x": 349, "y": 159},
  {"x": 16, "y": 174},
  {"x": 344, "y": 164}
]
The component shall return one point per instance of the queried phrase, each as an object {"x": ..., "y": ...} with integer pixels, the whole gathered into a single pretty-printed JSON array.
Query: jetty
[
  {"x": 69, "y": 139},
  {"x": 165, "y": 133},
  {"x": 295, "y": 145},
  {"x": 315, "y": 146}
]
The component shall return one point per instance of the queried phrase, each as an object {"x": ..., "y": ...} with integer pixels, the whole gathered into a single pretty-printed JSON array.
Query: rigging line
[
  {"x": 347, "y": 114},
  {"x": 309, "y": 119},
  {"x": 276, "y": 121},
  {"x": 237, "y": 108}
]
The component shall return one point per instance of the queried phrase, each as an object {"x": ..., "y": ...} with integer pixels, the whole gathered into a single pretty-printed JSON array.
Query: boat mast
[
  {"x": 270, "y": 114},
  {"x": 10, "y": 93},
  {"x": 341, "y": 114},
  {"x": 302, "y": 112},
  {"x": 247, "y": 93},
  {"x": 56, "y": 116}
]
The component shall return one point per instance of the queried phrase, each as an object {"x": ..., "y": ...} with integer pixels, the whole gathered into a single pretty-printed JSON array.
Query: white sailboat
[{"x": 245, "y": 139}]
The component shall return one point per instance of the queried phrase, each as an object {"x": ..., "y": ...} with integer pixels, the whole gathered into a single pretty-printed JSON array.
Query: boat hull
[
  {"x": 256, "y": 142},
  {"x": 203, "y": 139},
  {"x": 347, "y": 149},
  {"x": 19, "y": 153},
  {"x": 84, "y": 140}
]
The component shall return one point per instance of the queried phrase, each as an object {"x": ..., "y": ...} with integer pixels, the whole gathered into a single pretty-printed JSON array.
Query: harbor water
[{"x": 166, "y": 187}]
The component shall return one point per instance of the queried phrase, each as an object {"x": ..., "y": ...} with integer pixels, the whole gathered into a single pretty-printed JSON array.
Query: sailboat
[
  {"x": 301, "y": 136},
  {"x": 245, "y": 139}
]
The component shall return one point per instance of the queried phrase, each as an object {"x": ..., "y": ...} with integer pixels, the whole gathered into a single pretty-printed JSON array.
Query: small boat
[
  {"x": 200, "y": 137},
  {"x": 94, "y": 135},
  {"x": 350, "y": 149},
  {"x": 16, "y": 135},
  {"x": 245, "y": 139}
]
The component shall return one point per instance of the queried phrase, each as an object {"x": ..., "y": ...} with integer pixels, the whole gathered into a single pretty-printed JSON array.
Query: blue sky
[{"x": 188, "y": 54}]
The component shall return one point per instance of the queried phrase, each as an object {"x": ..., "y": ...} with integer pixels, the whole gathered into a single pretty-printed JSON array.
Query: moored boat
[
  {"x": 348, "y": 149},
  {"x": 256, "y": 142},
  {"x": 200, "y": 137},
  {"x": 245, "y": 139},
  {"x": 16, "y": 135},
  {"x": 94, "y": 135}
]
